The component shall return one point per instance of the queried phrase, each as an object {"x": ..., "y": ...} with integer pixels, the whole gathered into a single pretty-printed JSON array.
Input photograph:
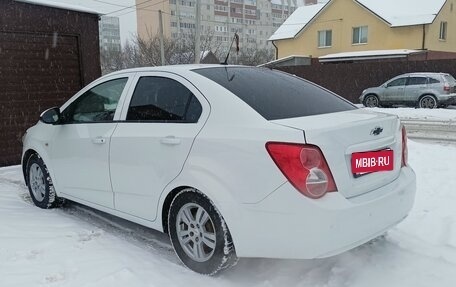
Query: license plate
[{"x": 374, "y": 161}]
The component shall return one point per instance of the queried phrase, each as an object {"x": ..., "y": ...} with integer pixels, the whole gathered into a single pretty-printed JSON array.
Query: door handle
[
  {"x": 170, "y": 140},
  {"x": 99, "y": 140}
]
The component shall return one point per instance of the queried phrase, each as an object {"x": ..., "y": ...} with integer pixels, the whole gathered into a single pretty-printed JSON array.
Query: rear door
[
  {"x": 415, "y": 87},
  {"x": 160, "y": 121}
]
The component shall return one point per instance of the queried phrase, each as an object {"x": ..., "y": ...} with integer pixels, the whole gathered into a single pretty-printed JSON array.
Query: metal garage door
[{"x": 37, "y": 71}]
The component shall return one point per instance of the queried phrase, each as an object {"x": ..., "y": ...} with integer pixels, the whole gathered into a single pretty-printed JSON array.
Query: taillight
[
  {"x": 446, "y": 88},
  {"x": 304, "y": 166},
  {"x": 404, "y": 161}
]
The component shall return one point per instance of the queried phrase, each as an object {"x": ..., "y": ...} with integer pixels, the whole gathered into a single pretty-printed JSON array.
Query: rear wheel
[
  {"x": 371, "y": 101},
  {"x": 427, "y": 102},
  {"x": 40, "y": 184},
  {"x": 199, "y": 234}
]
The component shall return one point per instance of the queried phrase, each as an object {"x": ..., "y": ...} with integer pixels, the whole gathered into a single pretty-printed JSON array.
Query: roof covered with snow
[
  {"x": 396, "y": 13},
  {"x": 61, "y": 5},
  {"x": 296, "y": 22},
  {"x": 405, "y": 12},
  {"x": 364, "y": 55}
]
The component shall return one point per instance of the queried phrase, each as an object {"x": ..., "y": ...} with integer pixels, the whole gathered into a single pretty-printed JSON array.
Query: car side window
[
  {"x": 163, "y": 100},
  {"x": 414, "y": 81},
  {"x": 97, "y": 104},
  {"x": 433, "y": 81},
  {"x": 397, "y": 82}
]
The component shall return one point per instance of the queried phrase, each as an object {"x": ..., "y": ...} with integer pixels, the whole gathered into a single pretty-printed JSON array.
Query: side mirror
[{"x": 51, "y": 116}]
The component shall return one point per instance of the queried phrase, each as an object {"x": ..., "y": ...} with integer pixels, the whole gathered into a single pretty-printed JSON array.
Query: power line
[
  {"x": 143, "y": 8},
  {"x": 127, "y": 7}
]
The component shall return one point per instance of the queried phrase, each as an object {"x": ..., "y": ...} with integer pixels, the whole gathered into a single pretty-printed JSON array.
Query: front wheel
[
  {"x": 199, "y": 233},
  {"x": 40, "y": 184},
  {"x": 371, "y": 101},
  {"x": 427, "y": 102}
]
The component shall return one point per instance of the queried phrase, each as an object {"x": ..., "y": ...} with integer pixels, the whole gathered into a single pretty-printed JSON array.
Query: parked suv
[{"x": 424, "y": 90}]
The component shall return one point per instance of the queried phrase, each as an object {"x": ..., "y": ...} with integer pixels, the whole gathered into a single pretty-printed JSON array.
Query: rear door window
[
  {"x": 276, "y": 95},
  {"x": 416, "y": 81},
  {"x": 162, "y": 99}
]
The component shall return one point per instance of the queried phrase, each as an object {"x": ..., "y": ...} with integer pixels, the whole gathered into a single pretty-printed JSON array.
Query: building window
[
  {"x": 443, "y": 30},
  {"x": 325, "y": 38},
  {"x": 360, "y": 35}
]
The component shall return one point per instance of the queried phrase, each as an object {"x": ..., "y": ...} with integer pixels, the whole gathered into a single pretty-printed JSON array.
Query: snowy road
[{"x": 77, "y": 246}]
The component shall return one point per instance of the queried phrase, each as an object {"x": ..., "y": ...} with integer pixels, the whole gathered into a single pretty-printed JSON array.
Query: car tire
[
  {"x": 39, "y": 183},
  {"x": 199, "y": 234},
  {"x": 427, "y": 102},
  {"x": 371, "y": 101}
]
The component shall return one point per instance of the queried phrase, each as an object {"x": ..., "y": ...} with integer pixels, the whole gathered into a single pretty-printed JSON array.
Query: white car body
[{"x": 129, "y": 169}]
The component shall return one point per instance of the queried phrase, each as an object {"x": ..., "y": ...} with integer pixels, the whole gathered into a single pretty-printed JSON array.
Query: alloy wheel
[
  {"x": 196, "y": 232},
  {"x": 428, "y": 102},
  {"x": 371, "y": 101},
  {"x": 37, "y": 182}
]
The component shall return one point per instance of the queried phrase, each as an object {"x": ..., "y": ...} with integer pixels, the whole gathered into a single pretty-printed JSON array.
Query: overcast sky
[{"x": 127, "y": 20}]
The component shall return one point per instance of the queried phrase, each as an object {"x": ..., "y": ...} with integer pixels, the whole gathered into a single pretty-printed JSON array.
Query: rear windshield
[
  {"x": 276, "y": 95},
  {"x": 450, "y": 79}
]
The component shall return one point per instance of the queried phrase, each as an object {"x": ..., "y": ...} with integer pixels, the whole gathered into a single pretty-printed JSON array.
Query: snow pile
[
  {"x": 79, "y": 247},
  {"x": 447, "y": 115}
]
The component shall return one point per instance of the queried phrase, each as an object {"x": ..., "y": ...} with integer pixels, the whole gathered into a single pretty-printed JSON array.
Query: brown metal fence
[{"x": 350, "y": 79}]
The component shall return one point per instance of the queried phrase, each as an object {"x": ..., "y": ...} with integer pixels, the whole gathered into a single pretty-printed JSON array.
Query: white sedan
[{"x": 230, "y": 161}]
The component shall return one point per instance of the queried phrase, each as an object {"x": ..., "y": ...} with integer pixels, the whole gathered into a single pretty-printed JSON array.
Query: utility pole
[
  {"x": 198, "y": 32},
  {"x": 162, "y": 48}
]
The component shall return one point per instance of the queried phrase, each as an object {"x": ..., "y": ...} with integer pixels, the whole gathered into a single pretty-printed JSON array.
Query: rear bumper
[
  {"x": 288, "y": 225},
  {"x": 447, "y": 99}
]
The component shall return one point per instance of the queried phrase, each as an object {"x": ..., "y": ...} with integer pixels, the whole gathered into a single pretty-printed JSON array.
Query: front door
[
  {"x": 80, "y": 148},
  {"x": 149, "y": 148},
  {"x": 394, "y": 91}
]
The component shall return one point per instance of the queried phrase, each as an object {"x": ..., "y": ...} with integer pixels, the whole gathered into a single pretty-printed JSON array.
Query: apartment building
[
  {"x": 109, "y": 30},
  {"x": 254, "y": 20}
]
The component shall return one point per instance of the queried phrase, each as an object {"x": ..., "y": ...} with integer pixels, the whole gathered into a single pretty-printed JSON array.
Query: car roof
[
  {"x": 171, "y": 68},
  {"x": 424, "y": 74}
]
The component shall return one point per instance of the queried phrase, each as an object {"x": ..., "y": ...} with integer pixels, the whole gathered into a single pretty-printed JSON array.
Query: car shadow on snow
[
  {"x": 337, "y": 270},
  {"x": 252, "y": 271}
]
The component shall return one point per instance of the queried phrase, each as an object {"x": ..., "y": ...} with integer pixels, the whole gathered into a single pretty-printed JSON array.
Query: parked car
[
  {"x": 230, "y": 161},
  {"x": 423, "y": 90}
]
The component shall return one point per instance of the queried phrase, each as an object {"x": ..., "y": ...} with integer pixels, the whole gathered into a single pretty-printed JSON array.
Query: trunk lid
[{"x": 341, "y": 134}]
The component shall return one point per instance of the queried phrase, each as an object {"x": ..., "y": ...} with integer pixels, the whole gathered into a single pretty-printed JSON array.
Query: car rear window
[
  {"x": 274, "y": 94},
  {"x": 450, "y": 79}
]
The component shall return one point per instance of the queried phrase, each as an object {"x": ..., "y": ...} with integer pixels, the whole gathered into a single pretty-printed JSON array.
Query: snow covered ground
[{"x": 77, "y": 246}]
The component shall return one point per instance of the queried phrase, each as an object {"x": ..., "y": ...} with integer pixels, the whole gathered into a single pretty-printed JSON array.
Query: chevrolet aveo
[{"x": 230, "y": 161}]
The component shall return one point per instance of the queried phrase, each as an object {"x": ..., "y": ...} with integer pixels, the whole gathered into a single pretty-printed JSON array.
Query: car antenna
[{"x": 235, "y": 38}]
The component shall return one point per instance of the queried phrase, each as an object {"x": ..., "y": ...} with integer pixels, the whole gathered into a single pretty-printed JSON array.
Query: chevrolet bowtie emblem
[{"x": 376, "y": 131}]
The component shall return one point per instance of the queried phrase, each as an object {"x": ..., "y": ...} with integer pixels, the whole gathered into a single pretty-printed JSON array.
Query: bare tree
[{"x": 146, "y": 52}]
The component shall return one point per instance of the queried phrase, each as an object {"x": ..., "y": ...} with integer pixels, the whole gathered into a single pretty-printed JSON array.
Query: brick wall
[{"x": 46, "y": 56}]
